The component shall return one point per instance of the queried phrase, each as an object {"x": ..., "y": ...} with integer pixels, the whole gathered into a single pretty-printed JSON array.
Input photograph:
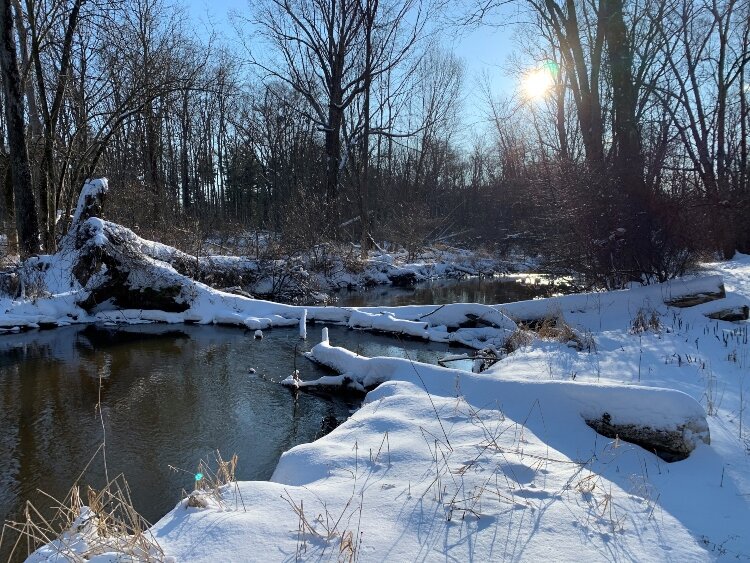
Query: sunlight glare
[{"x": 537, "y": 83}]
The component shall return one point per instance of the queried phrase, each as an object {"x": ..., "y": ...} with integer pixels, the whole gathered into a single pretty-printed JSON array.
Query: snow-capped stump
[
  {"x": 111, "y": 269},
  {"x": 113, "y": 274},
  {"x": 118, "y": 269},
  {"x": 91, "y": 200},
  {"x": 258, "y": 334}
]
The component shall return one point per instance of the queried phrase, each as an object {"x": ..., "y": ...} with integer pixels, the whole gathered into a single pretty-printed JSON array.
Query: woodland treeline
[{"x": 343, "y": 120}]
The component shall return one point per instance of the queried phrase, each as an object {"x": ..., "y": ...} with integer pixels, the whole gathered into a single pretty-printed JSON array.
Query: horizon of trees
[{"x": 341, "y": 120}]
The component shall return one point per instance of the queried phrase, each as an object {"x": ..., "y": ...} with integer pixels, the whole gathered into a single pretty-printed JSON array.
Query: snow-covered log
[
  {"x": 674, "y": 293},
  {"x": 673, "y": 443},
  {"x": 467, "y": 315},
  {"x": 688, "y": 293},
  {"x": 663, "y": 421},
  {"x": 387, "y": 322},
  {"x": 732, "y": 314}
]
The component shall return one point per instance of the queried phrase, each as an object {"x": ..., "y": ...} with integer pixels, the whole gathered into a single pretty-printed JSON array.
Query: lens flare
[{"x": 537, "y": 84}]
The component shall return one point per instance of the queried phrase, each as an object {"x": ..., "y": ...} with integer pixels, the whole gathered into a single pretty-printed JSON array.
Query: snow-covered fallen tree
[{"x": 664, "y": 421}]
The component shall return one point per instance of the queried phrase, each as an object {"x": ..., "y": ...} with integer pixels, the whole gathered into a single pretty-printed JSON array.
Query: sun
[{"x": 537, "y": 84}]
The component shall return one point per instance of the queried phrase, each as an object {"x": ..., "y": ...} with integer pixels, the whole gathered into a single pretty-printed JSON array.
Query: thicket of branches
[{"x": 341, "y": 120}]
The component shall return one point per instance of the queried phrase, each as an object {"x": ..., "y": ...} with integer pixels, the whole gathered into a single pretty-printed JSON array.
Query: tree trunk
[
  {"x": 184, "y": 166},
  {"x": 25, "y": 211},
  {"x": 333, "y": 160},
  {"x": 628, "y": 158},
  {"x": 371, "y": 9}
]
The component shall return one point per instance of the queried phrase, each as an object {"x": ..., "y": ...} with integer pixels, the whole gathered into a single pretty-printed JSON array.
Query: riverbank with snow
[
  {"x": 535, "y": 457},
  {"x": 503, "y": 465}
]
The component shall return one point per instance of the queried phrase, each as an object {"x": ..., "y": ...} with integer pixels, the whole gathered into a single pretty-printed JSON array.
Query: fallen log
[
  {"x": 731, "y": 314},
  {"x": 674, "y": 293},
  {"x": 673, "y": 444},
  {"x": 665, "y": 422}
]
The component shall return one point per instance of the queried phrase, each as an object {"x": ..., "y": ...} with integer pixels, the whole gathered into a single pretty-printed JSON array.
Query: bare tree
[
  {"x": 51, "y": 111},
  {"x": 330, "y": 53}
]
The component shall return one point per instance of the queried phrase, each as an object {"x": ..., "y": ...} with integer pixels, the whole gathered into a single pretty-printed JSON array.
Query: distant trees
[
  {"x": 704, "y": 91},
  {"x": 332, "y": 53},
  {"x": 646, "y": 89},
  {"x": 347, "y": 125},
  {"x": 88, "y": 72}
]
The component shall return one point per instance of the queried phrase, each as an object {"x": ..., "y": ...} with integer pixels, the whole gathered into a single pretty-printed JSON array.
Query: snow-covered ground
[{"x": 442, "y": 464}]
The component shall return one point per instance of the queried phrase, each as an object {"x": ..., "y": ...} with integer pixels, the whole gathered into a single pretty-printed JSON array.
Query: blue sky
[{"x": 485, "y": 51}]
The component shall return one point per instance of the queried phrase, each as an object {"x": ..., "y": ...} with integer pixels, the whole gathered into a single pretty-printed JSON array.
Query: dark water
[
  {"x": 489, "y": 291},
  {"x": 170, "y": 396}
]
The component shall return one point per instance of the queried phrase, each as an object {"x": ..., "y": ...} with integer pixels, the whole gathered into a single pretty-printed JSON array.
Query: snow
[
  {"x": 387, "y": 322},
  {"x": 442, "y": 464},
  {"x": 626, "y": 404},
  {"x": 91, "y": 189},
  {"x": 484, "y": 481},
  {"x": 501, "y": 465},
  {"x": 303, "y": 325}
]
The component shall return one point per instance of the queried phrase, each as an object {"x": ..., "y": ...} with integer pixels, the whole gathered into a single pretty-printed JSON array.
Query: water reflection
[
  {"x": 169, "y": 397},
  {"x": 488, "y": 291}
]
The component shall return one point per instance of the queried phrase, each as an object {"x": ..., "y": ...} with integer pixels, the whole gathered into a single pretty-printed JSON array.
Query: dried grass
[
  {"x": 107, "y": 522},
  {"x": 645, "y": 320},
  {"x": 212, "y": 480},
  {"x": 520, "y": 338},
  {"x": 555, "y": 328}
]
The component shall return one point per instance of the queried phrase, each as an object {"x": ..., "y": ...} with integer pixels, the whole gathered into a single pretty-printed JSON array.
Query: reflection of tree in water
[{"x": 489, "y": 291}]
